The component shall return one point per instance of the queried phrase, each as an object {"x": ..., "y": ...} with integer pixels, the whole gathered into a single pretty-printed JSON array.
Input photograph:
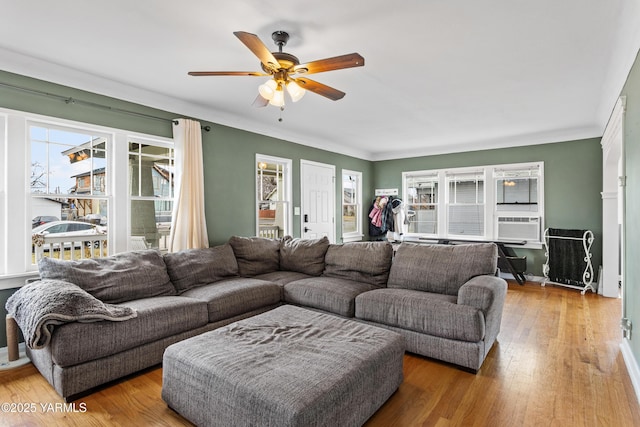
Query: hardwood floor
[{"x": 557, "y": 363}]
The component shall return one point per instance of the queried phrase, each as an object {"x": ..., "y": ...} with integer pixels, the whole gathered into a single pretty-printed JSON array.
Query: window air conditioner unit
[{"x": 519, "y": 228}]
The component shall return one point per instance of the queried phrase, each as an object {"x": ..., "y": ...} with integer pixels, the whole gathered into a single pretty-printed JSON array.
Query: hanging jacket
[{"x": 375, "y": 215}]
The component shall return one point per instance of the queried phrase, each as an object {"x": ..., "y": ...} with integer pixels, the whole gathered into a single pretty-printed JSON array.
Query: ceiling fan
[{"x": 287, "y": 71}]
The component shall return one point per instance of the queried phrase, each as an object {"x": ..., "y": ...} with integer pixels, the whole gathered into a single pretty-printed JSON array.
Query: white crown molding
[
  {"x": 558, "y": 135},
  {"x": 18, "y": 63}
]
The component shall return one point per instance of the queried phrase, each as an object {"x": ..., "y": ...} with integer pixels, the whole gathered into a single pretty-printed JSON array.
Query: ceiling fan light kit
[{"x": 284, "y": 69}]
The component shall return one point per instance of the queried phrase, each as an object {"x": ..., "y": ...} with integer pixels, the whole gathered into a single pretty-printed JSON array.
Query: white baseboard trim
[
  {"x": 4, "y": 358},
  {"x": 632, "y": 366}
]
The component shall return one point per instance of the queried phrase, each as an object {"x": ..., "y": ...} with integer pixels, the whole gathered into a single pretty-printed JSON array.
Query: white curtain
[{"x": 188, "y": 225}]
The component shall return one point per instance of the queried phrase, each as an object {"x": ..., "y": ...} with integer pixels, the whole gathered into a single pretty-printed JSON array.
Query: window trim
[
  {"x": 288, "y": 192},
  {"x": 15, "y": 198},
  {"x": 490, "y": 209},
  {"x": 353, "y": 236},
  {"x": 156, "y": 142}
]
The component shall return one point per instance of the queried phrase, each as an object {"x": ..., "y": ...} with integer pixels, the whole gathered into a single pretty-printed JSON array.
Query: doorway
[
  {"x": 613, "y": 173},
  {"x": 318, "y": 195}
]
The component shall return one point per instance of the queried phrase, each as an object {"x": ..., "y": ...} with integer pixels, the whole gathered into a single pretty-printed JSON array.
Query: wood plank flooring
[{"x": 557, "y": 363}]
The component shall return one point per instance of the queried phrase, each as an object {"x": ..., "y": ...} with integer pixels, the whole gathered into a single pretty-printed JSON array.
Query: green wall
[
  {"x": 229, "y": 185},
  {"x": 573, "y": 169},
  {"x": 230, "y": 199},
  {"x": 572, "y": 184},
  {"x": 631, "y": 143},
  {"x": 229, "y": 156}
]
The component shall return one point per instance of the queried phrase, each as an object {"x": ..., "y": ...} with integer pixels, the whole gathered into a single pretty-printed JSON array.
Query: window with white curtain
[{"x": 497, "y": 202}]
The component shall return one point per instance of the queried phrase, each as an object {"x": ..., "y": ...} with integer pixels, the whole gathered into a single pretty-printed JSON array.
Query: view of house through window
[
  {"x": 421, "y": 192},
  {"x": 273, "y": 196},
  {"x": 465, "y": 211},
  {"x": 502, "y": 202},
  {"x": 69, "y": 192},
  {"x": 151, "y": 169}
]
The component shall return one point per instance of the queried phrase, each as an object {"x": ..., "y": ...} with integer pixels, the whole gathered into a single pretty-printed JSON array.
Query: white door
[{"x": 317, "y": 187}]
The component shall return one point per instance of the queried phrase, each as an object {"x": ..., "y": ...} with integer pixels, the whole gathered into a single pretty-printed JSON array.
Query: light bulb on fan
[
  {"x": 278, "y": 97},
  {"x": 268, "y": 89},
  {"x": 295, "y": 91}
]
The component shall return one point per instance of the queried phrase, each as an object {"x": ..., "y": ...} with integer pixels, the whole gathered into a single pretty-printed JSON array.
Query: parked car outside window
[
  {"x": 42, "y": 219},
  {"x": 69, "y": 229}
]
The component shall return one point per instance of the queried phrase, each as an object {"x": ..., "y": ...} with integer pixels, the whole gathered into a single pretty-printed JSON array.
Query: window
[
  {"x": 60, "y": 170},
  {"x": 465, "y": 207},
  {"x": 421, "y": 194},
  {"x": 67, "y": 181},
  {"x": 517, "y": 189},
  {"x": 351, "y": 206},
  {"x": 273, "y": 196},
  {"x": 519, "y": 202},
  {"x": 502, "y": 202},
  {"x": 151, "y": 168}
]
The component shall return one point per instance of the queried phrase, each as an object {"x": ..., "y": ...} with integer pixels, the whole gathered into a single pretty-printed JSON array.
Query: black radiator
[{"x": 567, "y": 256}]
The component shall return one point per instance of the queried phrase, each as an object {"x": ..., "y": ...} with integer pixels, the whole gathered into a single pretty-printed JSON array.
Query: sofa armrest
[
  {"x": 483, "y": 292},
  {"x": 486, "y": 293}
]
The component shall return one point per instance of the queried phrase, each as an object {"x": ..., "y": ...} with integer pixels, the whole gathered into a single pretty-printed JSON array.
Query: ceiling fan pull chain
[{"x": 281, "y": 110}]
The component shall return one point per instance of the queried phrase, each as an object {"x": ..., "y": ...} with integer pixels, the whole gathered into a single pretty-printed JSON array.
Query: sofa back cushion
[
  {"x": 304, "y": 255},
  {"x": 256, "y": 255},
  {"x": 441, "y": 269},
  {"x": 123, "y": 277},
  {"x": 367, "y": 262},
  {"x": 192, "y": 268}
]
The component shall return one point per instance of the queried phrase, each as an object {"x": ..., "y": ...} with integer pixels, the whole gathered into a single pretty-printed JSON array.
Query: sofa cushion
[
  {"x": 232, "y": 297},
  {"x": 441, "y": 269},
  {"x": 367, "y": 262},
  {"x": 424, "y": 312},
  {"x": 282, "y": 277},
  {"x": 122, "y": 277},
  {"x": 256, "y": 255},
  {"x": 157, "y": 318},
  {"x": 304, "y": 255},
  {"x": 330, "y": 294},
  {"x": 197, "y": 267}
]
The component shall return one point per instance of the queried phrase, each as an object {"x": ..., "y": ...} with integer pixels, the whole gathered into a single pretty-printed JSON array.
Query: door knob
[{"x": 306, "y": 229}]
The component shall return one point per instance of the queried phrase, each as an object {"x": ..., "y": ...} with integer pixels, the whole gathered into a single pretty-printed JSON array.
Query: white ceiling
[{"x": 439, "y": 76}]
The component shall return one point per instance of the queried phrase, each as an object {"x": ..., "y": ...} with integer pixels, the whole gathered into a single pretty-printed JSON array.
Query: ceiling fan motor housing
[{"x": 280, "y": 38}]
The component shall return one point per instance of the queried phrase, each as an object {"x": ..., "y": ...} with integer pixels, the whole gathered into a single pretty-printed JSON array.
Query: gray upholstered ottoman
[{"x": 286, "y": 367}]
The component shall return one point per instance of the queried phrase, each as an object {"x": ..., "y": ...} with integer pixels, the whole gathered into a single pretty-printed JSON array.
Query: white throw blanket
[{"x": 39, "y": 306}]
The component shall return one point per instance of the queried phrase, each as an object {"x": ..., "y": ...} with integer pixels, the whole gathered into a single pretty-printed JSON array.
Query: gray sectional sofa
[{"x": 445, "y": 300}]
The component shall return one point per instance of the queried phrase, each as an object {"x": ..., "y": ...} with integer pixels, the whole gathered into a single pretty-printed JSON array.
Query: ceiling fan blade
[
  {"x": 226, "y": 73},
  {"x": 320, "y": 89},
  {"x": 336, "y": 63},
  {"x": 260, "y": 101},
  {"x": 259, "y": 49}
]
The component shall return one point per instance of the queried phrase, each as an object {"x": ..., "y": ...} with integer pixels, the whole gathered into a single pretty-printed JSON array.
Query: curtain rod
[{"x": 70, "y": 100}]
